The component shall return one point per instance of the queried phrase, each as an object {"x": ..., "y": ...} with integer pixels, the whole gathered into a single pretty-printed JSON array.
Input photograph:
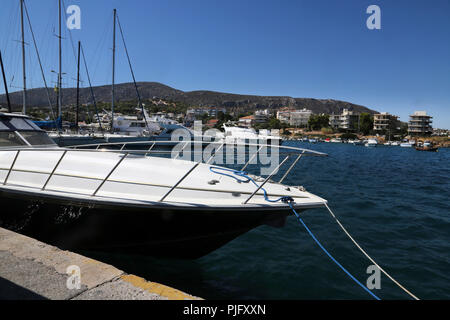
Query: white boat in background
[
  {"x": 356, "y": 142},
  {"x": 395, "y": 143},
  {"x": 240, "y": 134},
  {"x": 371, "y": 143},
  {"x": 336, "y": 140},
  {"x": 131, "y": 126},
  {"x": 406, "y": 145}
]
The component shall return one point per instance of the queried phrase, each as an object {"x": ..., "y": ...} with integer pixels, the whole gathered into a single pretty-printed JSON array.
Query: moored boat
[
  {"x": 426, "y": 146},
  {"x": 371, "y": 143},
  {"x": 131, "y": 201}
]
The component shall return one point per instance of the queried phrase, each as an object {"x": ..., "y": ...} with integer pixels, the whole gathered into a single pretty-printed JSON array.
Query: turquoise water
[{"x": 394, "y": 201}]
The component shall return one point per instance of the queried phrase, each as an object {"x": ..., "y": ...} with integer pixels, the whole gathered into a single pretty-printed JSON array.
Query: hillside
[{"x": 150, "y": 90}]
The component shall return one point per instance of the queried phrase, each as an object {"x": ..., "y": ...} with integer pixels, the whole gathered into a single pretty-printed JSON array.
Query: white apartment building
[
  {"x": 346, "y": 120},
  {"x": 295, "y": 118},
  {"x": 384, "y": 121},
  {"x": 420, "y": 123}
]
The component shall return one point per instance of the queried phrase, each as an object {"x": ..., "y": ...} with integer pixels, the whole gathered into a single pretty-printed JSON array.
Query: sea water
[{"x": 394, "y": 201}]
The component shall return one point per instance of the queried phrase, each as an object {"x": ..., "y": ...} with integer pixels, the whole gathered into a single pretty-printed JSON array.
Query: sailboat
[{"x": 122, "y": 128}]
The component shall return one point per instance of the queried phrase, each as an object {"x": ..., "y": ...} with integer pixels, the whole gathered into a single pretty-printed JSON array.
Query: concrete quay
[{"x": 30, "y": 269}]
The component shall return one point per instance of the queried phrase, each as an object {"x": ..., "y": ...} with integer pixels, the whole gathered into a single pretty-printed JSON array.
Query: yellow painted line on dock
[
  {"x": 98, "y": 280},
  {"x": 157, "y": 288}
]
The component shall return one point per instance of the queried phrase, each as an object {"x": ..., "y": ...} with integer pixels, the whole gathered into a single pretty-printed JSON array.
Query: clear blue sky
[{"x": 314, "y": 48}]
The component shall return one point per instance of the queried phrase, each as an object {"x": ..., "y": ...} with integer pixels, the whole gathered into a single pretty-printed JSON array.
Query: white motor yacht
[
  {"x": 240, "y": 134},
  {"x": 371, "y": 143},
  {"x": 131, "y": 201}
]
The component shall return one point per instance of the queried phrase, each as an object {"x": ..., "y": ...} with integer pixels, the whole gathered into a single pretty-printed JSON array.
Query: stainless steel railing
[{"x": 126, "y": 152}]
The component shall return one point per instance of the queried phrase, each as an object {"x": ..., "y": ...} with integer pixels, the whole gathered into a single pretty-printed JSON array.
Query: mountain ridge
[{"x": 154, "y": 90}]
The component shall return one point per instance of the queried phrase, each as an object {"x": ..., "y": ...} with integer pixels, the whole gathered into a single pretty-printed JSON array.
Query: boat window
[
  {"x": 20, "y": 124},
  {"x": 137, "y": 125},
  {"x": 36, "y": 138},
  {"x": 33, "y": 125},
  {"x": 3, "y": 126},
  {"x": 10, "y": 139}
]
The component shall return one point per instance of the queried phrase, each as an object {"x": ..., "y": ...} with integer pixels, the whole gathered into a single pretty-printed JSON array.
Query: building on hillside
[
  {"x": 334, "y": 120},
  {"x": 261, "y": 116},
  {"x": 384, "y": 121},
  {"x": 284, "y": 114},
  {"x": 420, "y": 123},
  {"x": 293, "y": 117},
  {"x": 300, "y": 118},
  {"x": 211, "y": 123},
  {"x": 441, "y": 132},
  {"x": 195, "y": 113},
  {"x": 247, "y": 121},
  {"x": 347, "y": 120}
]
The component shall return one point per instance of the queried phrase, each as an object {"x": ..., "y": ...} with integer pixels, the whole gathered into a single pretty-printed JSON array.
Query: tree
[
  {"x": 204, "y": 117},
  {"x": 349, "y": 136},
  {"x": 365, "y": 123},
  {"x": 222, "y": 118},
  {"x": 274, "y": 123},
  {"x": 317, "y": 122}
]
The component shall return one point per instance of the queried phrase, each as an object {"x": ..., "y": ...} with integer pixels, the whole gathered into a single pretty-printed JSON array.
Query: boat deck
[{"x": 117, "y": 177}]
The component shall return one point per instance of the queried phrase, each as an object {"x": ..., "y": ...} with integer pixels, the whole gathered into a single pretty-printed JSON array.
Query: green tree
[
  {"x": 274, "y": 123},
  {"x": 317, "y": 121},
  {"x": 204, "y": 117},
  {"x": 365, "y": 123}
]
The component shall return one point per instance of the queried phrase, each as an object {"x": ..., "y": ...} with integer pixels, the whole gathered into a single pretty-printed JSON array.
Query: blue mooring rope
[
  {"x": 244, "y": 174},
  {"x": 289, "y": 201},
  {"x": 329, "y": 255}
]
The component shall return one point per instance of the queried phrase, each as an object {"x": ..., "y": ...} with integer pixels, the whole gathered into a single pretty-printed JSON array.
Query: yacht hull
[{"x": 165, "y": 232}]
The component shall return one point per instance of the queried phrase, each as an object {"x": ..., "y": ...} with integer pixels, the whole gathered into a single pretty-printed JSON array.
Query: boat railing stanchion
[
  {"x": 291, "y": 167},
  {"x": 253, "y": 157},
  {"x": 149, "y": 149},
  {"x": 215, "y": 151},
  {"x": 54, "y": 169},
  {"x": 267, "y": 179},
  {"x": 123, "y": 146},
  {"x": 179, "y": 181},
  {"x": 110, "y": 173},
  {"x": 12, "y": 166},
  {"x": 185, "y": 144}
]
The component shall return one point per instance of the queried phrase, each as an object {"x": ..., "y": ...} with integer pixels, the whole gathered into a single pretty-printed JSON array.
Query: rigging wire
[
  {"x": 97, "y": 53},
  {"x": 40, "y": 64},
  {"x": 92, "y": 91},
  {"x": 70, "y": 32},
  {"x": 132, "y": 73}
]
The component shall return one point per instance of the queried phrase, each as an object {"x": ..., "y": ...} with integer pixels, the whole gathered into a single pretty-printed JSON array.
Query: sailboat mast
[
  {"x": 24, "y": 108},
  {"x": 113, "y": 71},
  {"x": 4, "y": 82},
  {"x": 60, "y": 64},
  {"x": 78, "y": 87}
]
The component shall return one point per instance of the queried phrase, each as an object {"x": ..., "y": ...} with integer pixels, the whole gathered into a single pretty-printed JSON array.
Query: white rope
[{"x": 368, "y": 257}]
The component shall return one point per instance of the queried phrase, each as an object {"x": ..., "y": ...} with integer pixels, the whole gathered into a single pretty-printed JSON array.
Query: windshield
[
  {"x": 20, "y": 131},
  {"x": 37, "y": 138},
  {"x": 10, "y": 139}
]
